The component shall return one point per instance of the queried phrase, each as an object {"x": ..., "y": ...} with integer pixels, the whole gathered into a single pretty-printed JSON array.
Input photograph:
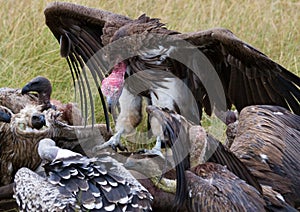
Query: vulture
[
  {"x": 267, "y": 141},
  {"x": 192, "y": 146},
  {"x": 213, "y": 176},
  {"x": 75, "y": 182},
  {"x": 128, "y": 59},
  {"x": 20, "y": 137},
  {"x": 70, "y": 113},
  {"x": 18, "y": 140}
]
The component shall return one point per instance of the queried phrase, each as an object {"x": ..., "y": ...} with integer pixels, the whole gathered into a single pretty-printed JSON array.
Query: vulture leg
[
  {"x": 166, "y": 97},
  {"x": 156, "y": 131},
  {"x": 113, "y": 142},
  {"x": 130, "y": 116}
]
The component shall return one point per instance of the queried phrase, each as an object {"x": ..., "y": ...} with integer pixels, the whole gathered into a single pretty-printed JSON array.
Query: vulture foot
[
  {"x": 114, "y": 142},
  {"x": 156, "y": 150}
]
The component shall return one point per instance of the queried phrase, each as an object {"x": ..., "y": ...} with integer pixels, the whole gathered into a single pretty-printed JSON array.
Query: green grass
[{"x": 28, "y": 49}]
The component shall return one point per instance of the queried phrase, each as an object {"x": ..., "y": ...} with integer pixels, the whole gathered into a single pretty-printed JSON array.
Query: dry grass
[{"x": 28, "y": 49}]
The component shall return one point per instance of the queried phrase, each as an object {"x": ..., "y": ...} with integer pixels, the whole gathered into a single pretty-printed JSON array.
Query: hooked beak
[
  {"x": 25, "y": 89},
  {"x": 5, "y": 117},
  {"x": 38, "y": 121}
]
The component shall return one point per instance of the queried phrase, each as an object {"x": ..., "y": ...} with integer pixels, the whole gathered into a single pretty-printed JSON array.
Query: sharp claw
[
  {"x": 122, "y": 148},
  {"x": 113, "y": 143},
  {"x": 119, "y": 146},
  {"x": 114, "y": 147},
  {"x": 153, "y": 152}
]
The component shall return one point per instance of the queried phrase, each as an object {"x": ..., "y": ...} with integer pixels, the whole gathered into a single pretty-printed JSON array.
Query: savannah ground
[{"x": 28, "y": 48}]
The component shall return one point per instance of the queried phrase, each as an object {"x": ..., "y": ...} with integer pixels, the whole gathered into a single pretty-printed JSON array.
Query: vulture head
[
  {"x": 113, "y": 84},
  {"x": 48, "y": 151},
  {"x": 19, "y": 140},
  {"x": 231, "y": 117},
  {"x": 43, "y": 87},
  {"x": 30, "y": 119}
]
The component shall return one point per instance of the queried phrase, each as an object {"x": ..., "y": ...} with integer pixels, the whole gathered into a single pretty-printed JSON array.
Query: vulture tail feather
[
  {"x": 182, "y": 163},
  {"x": 177, "y": 139}
]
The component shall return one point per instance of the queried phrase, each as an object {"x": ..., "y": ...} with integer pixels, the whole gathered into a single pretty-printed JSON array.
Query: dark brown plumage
[
  {"x": 192, "y": 146},
  {"x": 210, "y": 187},
  {"x": 75, "y": 182},
  {"x": 268, "y": 142},
  {"x": 276, "y": 178}
]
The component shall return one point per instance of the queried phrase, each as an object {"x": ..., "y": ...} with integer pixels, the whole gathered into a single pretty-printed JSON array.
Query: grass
[{"x": 28, "y": 49}]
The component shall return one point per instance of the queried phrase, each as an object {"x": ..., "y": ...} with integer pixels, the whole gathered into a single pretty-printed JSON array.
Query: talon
[
  {"x": 119, "y": 146},
  {"x": 114, "y": 143},
  {"x": 156, "y": 150},
  {"x": 122, "y": 148},
  {"x": 153, "y": 152}
]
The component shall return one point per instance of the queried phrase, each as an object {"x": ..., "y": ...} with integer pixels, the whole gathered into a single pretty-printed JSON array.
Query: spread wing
[
  {"x": 82, "y": 32},
  {"x": 248, "y": 76}
]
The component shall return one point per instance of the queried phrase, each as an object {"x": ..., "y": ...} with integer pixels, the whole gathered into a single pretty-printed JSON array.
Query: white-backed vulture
[
  {"x": 75, "y": 182},
  {"x": 20, "y": 137},
  {"x": 18, "y": 142},
  {"x": 206, "y": 69},
  {"x": 267, "y": 141},
  {"x": 38, "y": 92}
]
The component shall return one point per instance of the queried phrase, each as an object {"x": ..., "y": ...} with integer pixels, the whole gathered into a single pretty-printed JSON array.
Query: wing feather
[
  {"x": 82, "y": 32},
  {"x": 247, "y": 65},
  {"x": 267, "y": 142}
]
